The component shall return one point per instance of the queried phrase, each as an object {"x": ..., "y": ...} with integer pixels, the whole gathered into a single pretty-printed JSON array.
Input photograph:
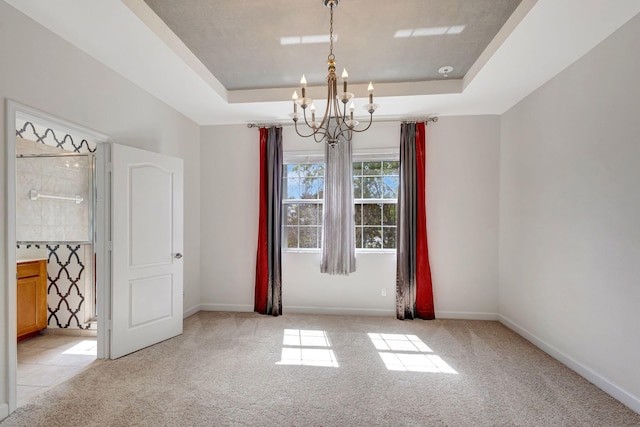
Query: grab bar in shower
[{"x": 34, "y": 195}]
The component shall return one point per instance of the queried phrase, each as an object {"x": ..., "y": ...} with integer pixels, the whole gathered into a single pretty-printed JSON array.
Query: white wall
[
  {"x": 462, "y": 215},
  {"x": 462, "y": 224},
  {"x": 41, "y": 70},
  {"x": 569, "y": 212}
]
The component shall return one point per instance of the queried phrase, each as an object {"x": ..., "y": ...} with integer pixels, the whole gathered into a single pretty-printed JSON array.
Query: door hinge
[
  {"x": 110, "y": 245},
  {"x": 110, "y": 326},
  {"x": 109, "y": 167}
]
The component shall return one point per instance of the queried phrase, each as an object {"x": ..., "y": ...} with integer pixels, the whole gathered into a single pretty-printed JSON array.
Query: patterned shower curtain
[
  {"x": 414, "y": 294},
  {"x": 268, "y": 289}
]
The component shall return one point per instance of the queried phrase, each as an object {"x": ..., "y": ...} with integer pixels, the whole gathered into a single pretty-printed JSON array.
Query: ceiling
[
  {"x": 224, "y": 62},
  {"x": 257, "y": 44}
]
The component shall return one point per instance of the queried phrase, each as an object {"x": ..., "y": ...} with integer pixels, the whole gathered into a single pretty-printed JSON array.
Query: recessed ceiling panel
[{"x": 257, "y": 44}]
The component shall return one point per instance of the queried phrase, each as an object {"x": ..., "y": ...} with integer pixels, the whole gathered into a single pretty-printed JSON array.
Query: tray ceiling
[{"x": 257, "y": 44}]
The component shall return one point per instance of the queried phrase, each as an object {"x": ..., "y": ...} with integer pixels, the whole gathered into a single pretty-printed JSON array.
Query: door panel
[
  {"x": 151, "y": 299},
  {"x": 151, "y": 191},
  {"x": 147, "y": 232}
]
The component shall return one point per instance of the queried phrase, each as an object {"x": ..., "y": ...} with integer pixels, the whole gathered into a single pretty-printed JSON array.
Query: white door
[{"x": 146, "y": 233}]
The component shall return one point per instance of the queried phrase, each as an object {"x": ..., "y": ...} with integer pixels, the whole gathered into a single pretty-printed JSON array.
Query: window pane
[
  {"x": 372, "y": 213},
  {"x": 358, "y": 214},
  {"x": 390, "y": 187},
  {"x": 292, "y": 214},
  {"x": 389, "y": 237},
  {"x": 372, "y": 237},
  {"x": 358, "y": 237},
  {"x": 309, "y": 237},
  {"x": 389, "y": 214},
  {"x": 311, "y": 188},
  {"x": 357, "y": 187},
  {"x": 291, "y": 237},
  {"x": 291, "y": 188},
  {"x": 309, "y": 214},
  {"x": 292, "y": 171},
  {"x": 316, "y": 169},
  {"x": 357, "y": 168},
  {"x": 391, "y": 168},
  {"x": 372, "y": 188},
  {"x": 372, "y": 168}
]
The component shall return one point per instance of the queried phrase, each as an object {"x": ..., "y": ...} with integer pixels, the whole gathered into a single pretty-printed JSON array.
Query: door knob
[{"x": 178, "y": 255}]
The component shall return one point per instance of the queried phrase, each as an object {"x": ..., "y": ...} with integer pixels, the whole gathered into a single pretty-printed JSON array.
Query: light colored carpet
[{"x": 227, "y": 369}]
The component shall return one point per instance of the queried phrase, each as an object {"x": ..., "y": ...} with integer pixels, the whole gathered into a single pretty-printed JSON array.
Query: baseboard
[
  {"x": 347, "y": 311},
  {"x": 633, "y": 402},
  {"x": 191, "y": 311},
  {"x": 4, "y": 411},
  {"x": 338, "y": 311},
  {"x": 227, "y": 307},
  {"x": 466, "y": 315}
]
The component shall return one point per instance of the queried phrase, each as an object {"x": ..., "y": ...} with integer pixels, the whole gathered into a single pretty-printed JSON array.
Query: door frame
[{"x": 102, "y": 234}]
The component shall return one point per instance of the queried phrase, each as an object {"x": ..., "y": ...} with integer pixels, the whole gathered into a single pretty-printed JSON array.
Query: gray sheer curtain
[{"x": 338, "y": 234}]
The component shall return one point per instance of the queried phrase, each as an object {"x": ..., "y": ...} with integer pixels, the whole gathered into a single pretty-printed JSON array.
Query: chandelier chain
[{"x": 331, "y": 56}]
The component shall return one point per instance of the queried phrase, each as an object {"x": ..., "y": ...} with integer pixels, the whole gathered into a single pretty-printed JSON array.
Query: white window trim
[{"x": 363, "y": 155}]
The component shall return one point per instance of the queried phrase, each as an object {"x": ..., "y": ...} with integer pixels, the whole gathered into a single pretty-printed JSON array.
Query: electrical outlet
[{"x": 383, "y": 292}]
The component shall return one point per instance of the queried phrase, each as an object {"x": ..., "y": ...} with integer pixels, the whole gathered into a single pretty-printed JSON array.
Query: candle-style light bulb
[
  {"x": 313, "y": 115},
  {"x": 370, "y": 89},
  {"x": 345, "y": 77},
  {"x": 352, "y": 107},
  {"x": 303, "y": 83},
  {"x": 295, "y": 98}
]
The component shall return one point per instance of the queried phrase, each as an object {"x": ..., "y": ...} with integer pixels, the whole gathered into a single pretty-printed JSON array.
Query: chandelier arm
[
  {"x": 326, "y": 112},
  {"x": 317, "y": 134},
  {"x": 304, "y": 115},
  {"x": 368, "y": 126},
  {"x": 337, "y": 115},
  {"x": 341, "y": 133},
  {"x": 337, "y": 111},
  {"x": 295, "y": 123}
]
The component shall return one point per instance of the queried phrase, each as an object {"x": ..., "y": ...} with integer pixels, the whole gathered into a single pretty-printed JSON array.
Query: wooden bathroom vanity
[{"x": 31, "y": 296}]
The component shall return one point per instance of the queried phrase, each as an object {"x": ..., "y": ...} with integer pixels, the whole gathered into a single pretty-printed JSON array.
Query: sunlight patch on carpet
[
  {"x": 301, "y": 347},
  {"x": 401, "y": 352}
]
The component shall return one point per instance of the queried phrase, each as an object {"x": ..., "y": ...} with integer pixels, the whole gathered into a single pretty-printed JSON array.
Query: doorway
[
  {"x": 137, "y": 249},
  {"x": 56, "y": 209}
]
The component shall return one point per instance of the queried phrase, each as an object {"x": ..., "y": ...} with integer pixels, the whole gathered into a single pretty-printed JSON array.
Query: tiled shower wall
[
  {"x": 44, "y": 226},
  {"x": 51, "y": 220}
]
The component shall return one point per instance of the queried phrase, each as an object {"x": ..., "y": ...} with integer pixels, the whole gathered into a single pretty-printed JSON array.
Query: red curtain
[
  {"x": 268, "y": 289},
  {"x": 424, "y": 287},
  {"x": 262, "y": 261}
]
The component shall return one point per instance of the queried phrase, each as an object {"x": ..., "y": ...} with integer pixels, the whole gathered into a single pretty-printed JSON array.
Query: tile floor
[{"x": 47, "y": 360}]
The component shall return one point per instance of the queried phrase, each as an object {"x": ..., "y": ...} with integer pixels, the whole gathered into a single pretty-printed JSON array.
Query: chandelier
[{"x": 335, "y": 123}]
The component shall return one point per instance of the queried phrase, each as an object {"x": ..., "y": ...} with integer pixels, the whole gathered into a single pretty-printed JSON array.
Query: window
[
  {"x": 303, "y": 189},
  {"x": 375, "y": 193},
  {"x": 375, "y": 186}
]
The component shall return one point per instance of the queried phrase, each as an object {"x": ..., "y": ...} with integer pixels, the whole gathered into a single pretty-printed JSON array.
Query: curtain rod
[{"x": 382, "y": 120}]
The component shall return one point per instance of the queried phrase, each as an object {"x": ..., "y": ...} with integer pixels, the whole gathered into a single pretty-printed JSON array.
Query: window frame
[
  {"x": 308, "y": 157},
  {"x": 384, "y": 155},
  {"x": 292, "y": 158}
]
